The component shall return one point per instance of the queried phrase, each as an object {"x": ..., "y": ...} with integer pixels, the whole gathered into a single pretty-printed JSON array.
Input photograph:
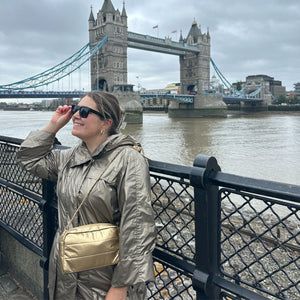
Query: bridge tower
[
  {"x": 195, "y": 67},
  {"x": 109, "y": 65}
]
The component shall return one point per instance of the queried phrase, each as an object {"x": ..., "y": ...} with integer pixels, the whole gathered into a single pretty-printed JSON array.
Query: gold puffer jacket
[{"x": 125, "y": 183}]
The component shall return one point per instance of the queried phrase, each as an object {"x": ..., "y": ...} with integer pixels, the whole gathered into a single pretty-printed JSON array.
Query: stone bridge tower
[
  {"x": 109, "y": 65},
  {"x": 195, "y": 67}
]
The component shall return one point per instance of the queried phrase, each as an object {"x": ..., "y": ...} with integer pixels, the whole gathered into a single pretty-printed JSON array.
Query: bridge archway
[
  {"x": 191, "y": 88},
  {"x": 102, "y": 85}
]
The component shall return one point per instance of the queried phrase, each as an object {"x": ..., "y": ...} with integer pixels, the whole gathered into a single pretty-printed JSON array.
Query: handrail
[{"x": 259, "y": 186}]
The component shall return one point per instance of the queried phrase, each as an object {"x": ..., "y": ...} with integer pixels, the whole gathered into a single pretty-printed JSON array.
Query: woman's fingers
[{"x": 63, "y": 109}]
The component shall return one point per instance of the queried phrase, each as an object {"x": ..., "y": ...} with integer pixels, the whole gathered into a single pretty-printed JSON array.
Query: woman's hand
[
  {"x": 116, "y": 293},
  {"x": 60, "y": 118}
]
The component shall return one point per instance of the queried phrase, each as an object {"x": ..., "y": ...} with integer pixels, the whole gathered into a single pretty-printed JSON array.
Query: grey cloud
[{"x": 247, "y": 37}]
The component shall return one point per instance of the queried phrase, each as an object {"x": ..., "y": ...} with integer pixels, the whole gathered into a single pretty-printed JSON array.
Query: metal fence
[{"x": 220, "y": 236}]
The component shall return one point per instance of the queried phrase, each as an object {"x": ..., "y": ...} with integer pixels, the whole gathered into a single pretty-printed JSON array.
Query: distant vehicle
[{"x": 192, "y": 92}]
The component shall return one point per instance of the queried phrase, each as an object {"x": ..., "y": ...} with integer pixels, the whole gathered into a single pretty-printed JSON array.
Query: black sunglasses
[{"x": 84, "y": 111}]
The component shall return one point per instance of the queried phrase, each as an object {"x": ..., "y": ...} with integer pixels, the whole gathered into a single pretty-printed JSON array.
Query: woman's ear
[{"x": 108, "y": 123}]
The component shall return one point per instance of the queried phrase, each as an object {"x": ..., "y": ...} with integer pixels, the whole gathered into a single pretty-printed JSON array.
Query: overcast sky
[{"x": 248, "y": 37}]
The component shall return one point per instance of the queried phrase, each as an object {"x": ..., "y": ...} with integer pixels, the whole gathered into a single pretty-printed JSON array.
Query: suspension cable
[{"x": 59, "y": 71}]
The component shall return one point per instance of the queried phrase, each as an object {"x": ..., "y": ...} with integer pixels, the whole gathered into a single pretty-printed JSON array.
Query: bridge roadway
[
  {"x": 150, "y": 43},
  {"x": 143, "y": 96},
  {"x": 190, "y": 98},
  {"x": 237, "y": 100},
  {"x": 78, "y": 94},
  {"x": 40, "y": 94},
  {"x": 180, "y": 97}
]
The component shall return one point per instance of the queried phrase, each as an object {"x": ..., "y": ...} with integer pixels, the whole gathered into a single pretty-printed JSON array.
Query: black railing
[{"x": 220, "y": 236}]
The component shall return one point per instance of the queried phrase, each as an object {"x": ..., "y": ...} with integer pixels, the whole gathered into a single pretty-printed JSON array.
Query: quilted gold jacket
[{"x": 125, "y": 184}]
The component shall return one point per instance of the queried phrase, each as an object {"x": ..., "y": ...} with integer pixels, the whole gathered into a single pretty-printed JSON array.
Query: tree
[
  {"x": 294, "y": 100},
  {"x": 3, "y": 104},
  {"x": 239, "y": 85},
  {"x": 282, "y": 99}
]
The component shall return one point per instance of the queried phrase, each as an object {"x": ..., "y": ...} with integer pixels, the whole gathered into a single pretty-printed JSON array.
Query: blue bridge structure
[
  {"x": 4, "y": 94},
  {"x": 27, "y": 88},
  {"x": 178, "y": 97},
  {"x": 236, "y": 96},
  {"x": 237, "y": 100}
]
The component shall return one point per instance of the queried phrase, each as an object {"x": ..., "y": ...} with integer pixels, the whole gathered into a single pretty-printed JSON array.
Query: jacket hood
[
  {"x": 81, "y": 154},
  {"x": 115, "y": 141}
]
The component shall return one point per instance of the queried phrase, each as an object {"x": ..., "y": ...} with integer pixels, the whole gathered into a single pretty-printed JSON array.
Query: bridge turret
[
  {"x": 124, "y": 14},
  {"x": 200, "y": 29},
  {"x": 194, "y": 33},
  {"x": 195, "y": 67},
  {"x": 181, "y": 37},
  {"x": 108, "y": 12},
  {"x": 109, "y": 65},
  {"x": 91, "y": 18},
  {"x": 91, "y": 25},
  {"x": 107, "y": 7}
]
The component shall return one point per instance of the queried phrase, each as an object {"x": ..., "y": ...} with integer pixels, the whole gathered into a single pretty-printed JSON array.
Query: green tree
[
  {"x": 239, "y": 85},
  {"x": 282, "y": 99},
  {"x": 294, "y": 100}
]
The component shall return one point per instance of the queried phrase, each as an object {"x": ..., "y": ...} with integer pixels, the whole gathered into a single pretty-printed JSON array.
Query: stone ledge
[{"x": 21, "y": 263}]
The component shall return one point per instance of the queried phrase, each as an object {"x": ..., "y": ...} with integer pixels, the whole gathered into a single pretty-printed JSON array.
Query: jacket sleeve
[
  {"x": 36, "y": 155},
  {"x": 137, "y": 227}
]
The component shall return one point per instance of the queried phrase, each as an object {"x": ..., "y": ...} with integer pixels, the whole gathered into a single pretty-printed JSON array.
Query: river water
[{"x": 261, "y": 145}]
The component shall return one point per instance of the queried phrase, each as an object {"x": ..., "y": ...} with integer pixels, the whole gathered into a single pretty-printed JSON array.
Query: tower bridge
[
  {"x": 109, "y": 66},
  {"x": 106, "y": 52}
]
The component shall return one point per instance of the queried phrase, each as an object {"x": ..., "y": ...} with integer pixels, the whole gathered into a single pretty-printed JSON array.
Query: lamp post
[{"x": 139, "y": 85}]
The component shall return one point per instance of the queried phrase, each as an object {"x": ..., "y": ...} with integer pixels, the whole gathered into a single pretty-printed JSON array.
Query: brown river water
[{"x": 261, "y": 145}]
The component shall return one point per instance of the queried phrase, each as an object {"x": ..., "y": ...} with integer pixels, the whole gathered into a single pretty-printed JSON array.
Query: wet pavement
[{"x": 10, "y": 289}]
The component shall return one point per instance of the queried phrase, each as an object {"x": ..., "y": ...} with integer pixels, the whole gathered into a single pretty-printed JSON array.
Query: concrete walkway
[{"x": 10, "y": 289}]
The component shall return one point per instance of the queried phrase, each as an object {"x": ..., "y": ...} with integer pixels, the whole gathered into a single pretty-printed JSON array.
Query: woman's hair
[{"x": 108, "y": 106}]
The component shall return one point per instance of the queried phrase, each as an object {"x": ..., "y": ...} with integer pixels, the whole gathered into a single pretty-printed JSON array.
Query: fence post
[
  {"x": 207, "y": 215},
  {"x": 49, "y": 208}
]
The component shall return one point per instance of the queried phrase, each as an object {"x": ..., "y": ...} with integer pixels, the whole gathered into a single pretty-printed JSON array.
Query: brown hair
[{"x": 108, "y": 106}]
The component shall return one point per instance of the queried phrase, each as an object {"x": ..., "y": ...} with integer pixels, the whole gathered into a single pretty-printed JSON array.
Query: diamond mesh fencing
[
  {"x": 170, "y": 284},
  {"x": 260, "y": 243},
  {"x": 172, "y": 201},
  {"x": 173, "y": 205},
  {"x": 20, "y": 195},
  {"x": 11, "y": 172},
  {"x": 22, "y": 214}
]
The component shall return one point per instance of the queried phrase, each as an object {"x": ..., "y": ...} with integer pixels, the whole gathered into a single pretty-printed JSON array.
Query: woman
[{"x": 125, "y": 184}]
